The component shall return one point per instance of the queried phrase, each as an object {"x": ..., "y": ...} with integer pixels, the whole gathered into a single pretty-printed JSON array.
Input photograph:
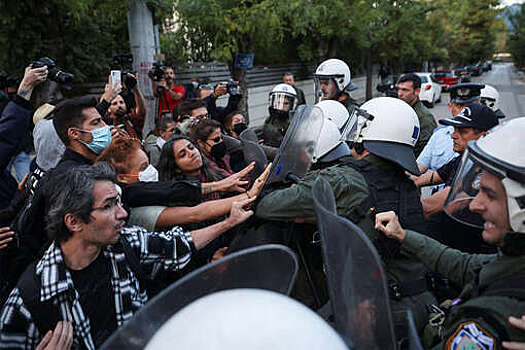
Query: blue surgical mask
[
  {"x": 101, "y": 138},
  {"x": 195, "y": 84}
]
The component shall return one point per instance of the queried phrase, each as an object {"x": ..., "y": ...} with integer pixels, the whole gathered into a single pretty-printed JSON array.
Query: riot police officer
[
  {"x": 373, "y": 180},
  {"x": 282, "y": 101},
  {"x": 490, "y": 98},
  {"x": 333, "y": 82},
  {"x": 489, "y": 193}
]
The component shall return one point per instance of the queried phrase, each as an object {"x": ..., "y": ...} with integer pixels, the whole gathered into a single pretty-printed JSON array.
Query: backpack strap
[{"x": 45, "y": 314}]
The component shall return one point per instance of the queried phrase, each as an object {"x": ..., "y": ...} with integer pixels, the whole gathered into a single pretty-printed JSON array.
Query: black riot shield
[
  {"x": 297, "y": 150},
  {"x": 253, "y": 152},
  {"x": 271, "y": 267},
  {"x": 356, "y": 280}
]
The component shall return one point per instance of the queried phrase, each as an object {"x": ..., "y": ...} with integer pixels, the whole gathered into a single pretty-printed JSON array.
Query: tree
[{"x": 516, "y": 42}]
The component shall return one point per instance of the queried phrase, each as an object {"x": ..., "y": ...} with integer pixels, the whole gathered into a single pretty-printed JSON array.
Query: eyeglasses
[
  {"x": 111, "y": 204},
  {"x": 202, "y": 116},
  {"x": 171, "y": 129}
]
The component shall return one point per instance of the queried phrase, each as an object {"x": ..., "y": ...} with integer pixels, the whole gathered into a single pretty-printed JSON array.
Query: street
[{"x": 509, "y": 83}]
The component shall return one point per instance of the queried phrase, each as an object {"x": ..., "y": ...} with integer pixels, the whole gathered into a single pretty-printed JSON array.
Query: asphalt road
[{"x": 509, "y": 82}]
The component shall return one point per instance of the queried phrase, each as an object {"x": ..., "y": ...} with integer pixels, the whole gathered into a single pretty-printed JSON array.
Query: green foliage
[
  {"x": 516, "y": 42},
  {"x": 81, "y": 35}
]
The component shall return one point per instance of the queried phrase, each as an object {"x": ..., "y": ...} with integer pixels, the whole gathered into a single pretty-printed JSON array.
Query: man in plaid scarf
[{"x": 89, "y": 276}]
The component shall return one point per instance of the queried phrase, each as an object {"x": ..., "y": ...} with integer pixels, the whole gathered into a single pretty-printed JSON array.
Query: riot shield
[
  {"x": 414, "y": 343},
  {"x": 253, "y": 152},
  {"x": 356, "y": 280},
  {"x": 297, "y": 150},
  {"x": 271, "y": 267}
]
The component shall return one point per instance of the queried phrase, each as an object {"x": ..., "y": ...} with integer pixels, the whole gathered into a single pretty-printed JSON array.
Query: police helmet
[
  {"x": 282, "y": 99},
  {"x": 330, "y": 146}
]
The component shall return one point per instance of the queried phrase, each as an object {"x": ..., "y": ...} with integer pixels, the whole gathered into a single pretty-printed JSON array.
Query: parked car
[
  {"x": 474, "y": 70},
  {"x": 446, "y": 78},
  {"x": 486, "y": 66},
  {"x": 430, "y": 89},
  {"x": 463, "y": 74}
]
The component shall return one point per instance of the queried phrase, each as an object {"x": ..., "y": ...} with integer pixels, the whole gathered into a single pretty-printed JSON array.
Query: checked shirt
[{"x": 170, "y": 250}]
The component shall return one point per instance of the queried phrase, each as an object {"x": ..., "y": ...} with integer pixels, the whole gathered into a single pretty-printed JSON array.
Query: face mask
[
  {"x": 218, "y": 151},
  {"x": 150, "y": 174},
  {"x": 195, "y": 84},
  {"x": 101, "y": 139},
  {"x": 238, "y": 128}
]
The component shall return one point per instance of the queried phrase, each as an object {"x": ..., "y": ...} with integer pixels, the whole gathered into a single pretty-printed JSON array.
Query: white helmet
[
  {"x": 246, "y": 319},
  {"x": 282, "y": 99},
  {"x": 389, "y": 128},
  {"x": 501, "y": 151},
  {"x": 333, "y": 69},
  {"x": 490, "y": 97},
  {"x": 330, "y": 146}
]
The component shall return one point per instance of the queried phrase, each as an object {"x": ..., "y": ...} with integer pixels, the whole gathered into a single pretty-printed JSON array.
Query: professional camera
[
  {"x": 231, "y": 86},
  {"x": 125, "y": 61},
  {"x": 157, "y": 71},
  {"x": 53, "y": 72}
]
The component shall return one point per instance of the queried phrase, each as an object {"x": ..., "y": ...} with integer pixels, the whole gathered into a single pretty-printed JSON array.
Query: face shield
[
  {"x": 356, "y": 123},
  {"x": 465, "y": 187},
  {"x": 282, "y": 101},
  {"x": 489, "y": 102}
]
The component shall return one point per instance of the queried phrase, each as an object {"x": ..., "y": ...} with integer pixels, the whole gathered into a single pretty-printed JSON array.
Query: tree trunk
[
  {"x": 369, "y": 74},
  {"x": 240, "y": 76}
]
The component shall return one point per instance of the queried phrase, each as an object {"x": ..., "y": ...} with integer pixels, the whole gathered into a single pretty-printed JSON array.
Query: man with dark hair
[
  {"x": 193, "y": 108},
  {"x": 164, "y": 128},
  {"x": 288, "y": 78},
  {"x": 408, "y": 87},
  {"x": 169, "y": 94},
  {"x": 95, "y": 271}
]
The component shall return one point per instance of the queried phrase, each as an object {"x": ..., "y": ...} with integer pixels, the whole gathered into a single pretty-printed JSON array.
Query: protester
[
  {"x": 234, "y": 124},
  {"x": 164, "y": 128},
  {"x": 88, "y": 275},
  {"x": 207, "y": 135}
]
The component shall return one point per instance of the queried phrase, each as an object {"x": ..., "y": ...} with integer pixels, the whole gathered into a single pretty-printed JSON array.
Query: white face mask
[{"x": 150, "y": 174}]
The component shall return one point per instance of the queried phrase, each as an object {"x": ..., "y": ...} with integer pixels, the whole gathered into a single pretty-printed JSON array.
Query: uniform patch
[{"x": 470, "y": 336}]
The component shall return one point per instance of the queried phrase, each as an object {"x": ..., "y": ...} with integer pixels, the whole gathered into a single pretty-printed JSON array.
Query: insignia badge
[
  {"x": 463, "y": 92},
  {"x": 470, "y": 336}
]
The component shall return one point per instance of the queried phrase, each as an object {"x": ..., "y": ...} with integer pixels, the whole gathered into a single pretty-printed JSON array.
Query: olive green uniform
[
  {"x": 482, "y": 318},
  {"x": 350, "y": 190},
  {"x": 274, "y": 129},
  {"x": 427, "y": 124}
]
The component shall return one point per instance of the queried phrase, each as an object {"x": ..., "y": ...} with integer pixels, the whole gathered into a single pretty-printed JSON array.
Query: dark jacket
[{"x": 14, "y": 123}]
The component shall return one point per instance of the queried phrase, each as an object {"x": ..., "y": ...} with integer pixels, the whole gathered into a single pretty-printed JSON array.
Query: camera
[
  {"x": 231, "y": 86},
  {"x": 54, "y": 73},
  {"x": 157, "y": 71},
  {"x": 125, "y": 61}
]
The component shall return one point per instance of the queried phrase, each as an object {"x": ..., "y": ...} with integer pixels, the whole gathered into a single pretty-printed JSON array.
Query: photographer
[
  {"x": 228, "y": 87},
  {"x": 165, "y": 89},
  {"x": 121, "y": 114}
]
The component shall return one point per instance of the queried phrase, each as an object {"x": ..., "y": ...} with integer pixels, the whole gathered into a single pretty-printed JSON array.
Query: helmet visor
[
  {"x": 282, "y": 101},
  {"x": 326, "y": 87},
  {"x": 351, "y": 132},
  {"x": 463, "y": 190}
]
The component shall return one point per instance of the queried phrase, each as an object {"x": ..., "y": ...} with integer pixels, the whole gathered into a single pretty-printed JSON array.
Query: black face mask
[
  {"x": 218, "y": 151},
  {"x": 238, "y": 128}
]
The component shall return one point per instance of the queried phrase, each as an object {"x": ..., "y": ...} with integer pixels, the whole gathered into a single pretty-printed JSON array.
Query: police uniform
[
  {"x": 427, "y": 125},
  {"x": 362, "y": 187},
  {"x": 439, "y": 149},
  {"x": 274, "y": 129},
  {"x": 492, "y": 287}
]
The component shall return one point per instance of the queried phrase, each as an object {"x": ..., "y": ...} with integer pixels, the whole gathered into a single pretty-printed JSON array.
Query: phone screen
[{"x": 115, "y": 78}]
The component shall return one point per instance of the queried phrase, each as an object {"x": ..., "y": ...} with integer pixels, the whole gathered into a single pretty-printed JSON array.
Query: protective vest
[{"x": 274, "y": 129}]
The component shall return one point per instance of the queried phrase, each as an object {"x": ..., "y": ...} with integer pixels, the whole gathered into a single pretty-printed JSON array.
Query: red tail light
[{"x": 428, "y": 87}]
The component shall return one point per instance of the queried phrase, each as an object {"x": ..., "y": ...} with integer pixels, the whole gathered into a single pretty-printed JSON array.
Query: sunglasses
[{"x": 216, "y": 139}]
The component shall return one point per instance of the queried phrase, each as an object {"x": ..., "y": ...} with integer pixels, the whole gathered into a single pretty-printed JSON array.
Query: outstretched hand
[
  {"x": 234, "y": 183},
  {"x": 518, "y": 323},
  {"x": 259, "y": 183},
  {"x": 239, "y": 212}
]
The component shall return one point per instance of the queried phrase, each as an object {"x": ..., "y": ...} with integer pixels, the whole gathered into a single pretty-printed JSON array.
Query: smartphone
[{"x": 116, "y": 78}]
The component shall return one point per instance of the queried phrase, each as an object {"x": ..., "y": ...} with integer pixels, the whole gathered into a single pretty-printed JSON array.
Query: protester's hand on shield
[
  {"x": 388, "y": 223},
  {"x": 61, "y": 338},
  {"x": 6, "y": 236},
  {"x": 234, "y": 182},
  {"x": 259, "y": 183},
  {"x": 239, "y": 211},
  {"x": 518, "y": 323}
]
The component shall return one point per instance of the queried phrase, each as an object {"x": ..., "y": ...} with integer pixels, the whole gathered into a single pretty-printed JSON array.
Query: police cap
[
  {"x": 474, "y": 115},
  {"x": 465, "y": 92}
]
